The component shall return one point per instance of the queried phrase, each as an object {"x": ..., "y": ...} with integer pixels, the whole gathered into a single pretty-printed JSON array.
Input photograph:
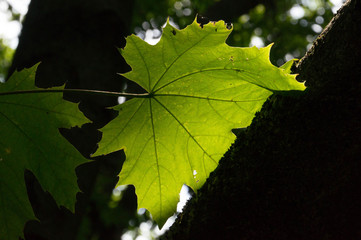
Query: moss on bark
[{"x": 295, "y": 172}]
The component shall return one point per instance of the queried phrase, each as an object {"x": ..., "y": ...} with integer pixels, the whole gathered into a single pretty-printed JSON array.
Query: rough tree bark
[{"x": 295, "y": 172}]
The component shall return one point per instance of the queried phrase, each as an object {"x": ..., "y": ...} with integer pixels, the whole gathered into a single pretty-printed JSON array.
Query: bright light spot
[
  {"x": 186, "y": 3},
  {"x": 150, "y": 37},
  {"x": 21, "y": 6},
  {"x": 319, "y": 20},
  {"x": 187, "y": 11},
  {"x": 154, "y": 23},
  {"x": 269, "y": 37},
  {"x": 316, "y": 28},
  {"x": 184, "y": 197},
  {"x": 3, "y": 6},
  {"x": 142, "y": 238},
  {"x": 311, "y": 4},
  {"x": 129, "y": 235},
  {"x": 121, "y": 99},
  {"x": 321, "y": 11},
  {"x": 256, "y": 41},
  {"x": 310, "y": 38},
  {"x": 244, "y": 18},
  {"x": 149, "y": 34},
  {"x": 258, "y": 31},
  {"x": 116, "y": 196},
  {"x": 137, "y": 30},
  {"x": 145, "y": 25},
  {"x": 141, "y": 34},
  {"x": 172, "y": 23},
  {"x": 118, "y": 190},
  {"x": 260, "y": 9},
  {"x": 10, "y": 30},
  {"x": 178, "y": 5},
  {"x": 336, "y": 5},
  {"x": 145, "y": 226},
  {"x": 166, "y": 226},
  {"x": 141, "y": 211},
  {"x": 147, "y": 231},
  {"x": 157, "y": 33},
  {"x": 297, "y": 12},
  {"x": 309, "y": 46},
  {"x": 288, "y": 57}
]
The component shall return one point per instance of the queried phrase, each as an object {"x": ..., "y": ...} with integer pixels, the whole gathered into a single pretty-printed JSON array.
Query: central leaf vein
[{"x": 156, "y": 155}]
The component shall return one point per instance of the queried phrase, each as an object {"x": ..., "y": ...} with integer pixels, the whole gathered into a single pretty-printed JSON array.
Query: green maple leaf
[
  {"x": 29, "y": 139},
  {"x": 199, "y": 88}
]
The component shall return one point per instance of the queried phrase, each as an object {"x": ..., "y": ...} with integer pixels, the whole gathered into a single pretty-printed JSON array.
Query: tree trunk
[{"x": 295, "y": 172}]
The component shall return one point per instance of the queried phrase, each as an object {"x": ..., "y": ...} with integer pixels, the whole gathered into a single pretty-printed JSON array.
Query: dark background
[{"x": 76, "y": 42}]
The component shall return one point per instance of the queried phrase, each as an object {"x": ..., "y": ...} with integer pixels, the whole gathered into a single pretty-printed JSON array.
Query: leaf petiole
[{"x": 82, "y": 91}]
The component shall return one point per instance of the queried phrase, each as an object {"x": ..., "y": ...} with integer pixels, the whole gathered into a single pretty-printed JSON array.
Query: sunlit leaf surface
[{"x": 199, "y": 89}]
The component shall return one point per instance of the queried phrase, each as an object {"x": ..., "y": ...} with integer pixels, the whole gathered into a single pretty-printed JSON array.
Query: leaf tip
[
  {"x": 169, "y": 28},
  {"x": 268, "y": 47},
  {"x": 168, "y": 21}
]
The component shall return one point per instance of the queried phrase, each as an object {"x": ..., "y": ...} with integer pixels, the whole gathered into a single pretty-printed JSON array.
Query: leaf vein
[
  {"x": 209, "y": 99},
  {"x": 185, "y": 129},
  {"x": 176, "y": 59},
  {"x": 126, "y": 124},
  {"x": 209, "y": 70},
  {"x": 156, "y": 156},
  {"x": 145, "y": 63}
]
